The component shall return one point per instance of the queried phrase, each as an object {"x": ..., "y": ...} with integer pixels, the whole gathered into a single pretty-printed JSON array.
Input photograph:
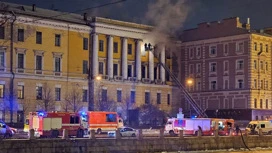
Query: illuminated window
[
  {"x": 2, "y": 88},
  {"x": 20, "y": 92}
]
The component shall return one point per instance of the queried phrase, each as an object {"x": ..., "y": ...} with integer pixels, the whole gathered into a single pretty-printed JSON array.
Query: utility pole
[{"x": 11, "y": 87}]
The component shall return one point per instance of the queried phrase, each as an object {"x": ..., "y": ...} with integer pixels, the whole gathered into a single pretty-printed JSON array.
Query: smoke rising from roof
[{"x": 168, "y": 17}]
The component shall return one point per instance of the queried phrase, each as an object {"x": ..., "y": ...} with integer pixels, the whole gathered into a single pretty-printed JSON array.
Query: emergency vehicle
[
  {"x": 254, "y": 126},
  {"x": 101, "y": 121},
  {"x": 48, "y": 124},
  {"x": 190, "y": 126}
]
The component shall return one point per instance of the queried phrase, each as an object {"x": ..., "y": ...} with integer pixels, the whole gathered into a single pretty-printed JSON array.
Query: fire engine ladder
[{"x": 188, "y": 97}]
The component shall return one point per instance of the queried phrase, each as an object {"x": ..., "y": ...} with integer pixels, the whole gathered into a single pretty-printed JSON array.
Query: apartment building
[
  {"x": 49, "y": 61},
  {"x": 230, "y": 66}
]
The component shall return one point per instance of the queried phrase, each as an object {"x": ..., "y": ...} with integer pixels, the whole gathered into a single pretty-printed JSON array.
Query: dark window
[
  {"x": 39, "y": 93},
  {"x": 38, "y": 37},
  {"x": 115, "y": 69},
  {"x": 101, "y": 68},
  {"x": 85, "y": 67},
  {"x": 261, "y": 103},
  {"x": 129, "y": 49},
  {"x": 168, "y": 99},
  {"x": 74, "y": 119},
  {"x": 255, "y": 103},
  {"x": 2, "y": 89},
  {"x": 57, "y": 64},
  {"x": 262, "y": 125},
  {"x": 101, "y": 45},
  {"x": 132, "y": 96},
  {"x": 85, "y": 96},
  {"x": 85, "y": 43},
  {"x": 266, "y": 103},
  {"x": 115, "y": 47},
  {"x": 57, "y": 39},
  {"x": 147, "y": 97},
  {"x": 158, "y": 98},
  {"x": 104, "y": 95},
  {"x": 119, "y": 95},
  {"x": 2, "y": 32},
  {"x": 2, "y": 59},
  {"x": 111, "y": 118},
  {"x": 38, "y": 62},
  {"x": 129, "y": 72},
  {"x": 20, "y": 61},
  {"x": 21, "y": 35},
  {"x": 57, "y": 94},
  {"x": 20, "y": 92},
  {"x": 143, "y": 71}
]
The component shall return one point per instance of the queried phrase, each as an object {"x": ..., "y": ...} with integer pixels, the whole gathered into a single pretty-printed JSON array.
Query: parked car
[
  {"x": 124, "y": 132},
  {"x": 5, "y": 130}
]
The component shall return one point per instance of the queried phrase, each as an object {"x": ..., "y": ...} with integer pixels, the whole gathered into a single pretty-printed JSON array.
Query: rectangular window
[
  {"x": 261, "y": 103},
  {"x": 38, "y": 62},
  {"x": 213, "y": 85},
  {"x": 39, "y": 93},
  {"x": 158, "y": 98},
  {"x": 266, "y": 48},
  {"x": 101, "y": 45},
  {"x": 198, "y": 86},
  {"x": 119, "y": 95},
  {"x": 74, "y": 119},
  {"x": 132, "y": 96},
  {"x": 168, "y": 99},
  {"x": 85, "y": 43},
  {"x": 115, "y": 47},
  {"x": 212, "y": 67},
  {"x": 57, "y": 94},
  {"x": 191, "y": 69},
  {"x": 255, "y": 84},
  {"x": 240, "y": 65},
  {"x": 255, "y": 46},
  {"x": 255, "y": 64},
  {"x": 261, "y": 84},
  {"x": 2, "y": 89},
  {"x": 240, "y": 84},
  {"x": 129, "y": 72},
  {"x": 213, "y": 50},
  {"x": 226, "y": 49},
  {"x": 104, "y": 95},
  {"x": 101, "y": 68},
  {"x": 261, "y": 65},
  {"x": 226, "y": 84},
  {"x": 255, "y": 103},
  {"x": 20, "y": 92},
  {"x": 57, "y": 64},
  {"x": 38, "y": 37},
  {"x": 147, "y": 97},
  {"x": 111, "y": 117},
  {"x": 226, "y": 65},
  {"x": 198, "y": 54},
  {"x": 266, "y": 103},
  {"x": 129, "y": 49},
  {"x": 261, "y": 47},
  {"x": 191, "y": 53},
  {"x": 2, "y": 32},
  {"x": 85, "y": 95},
  {"x": 198, "y": 68},
  {"x": 2, "y": 59},
  {"x": 21, "y": 33},
  {"x": 21, "y": 61},
  {"x": 239, "y": 47},
  {"x": 57, "y": 39},
  {"x": 115, "y": 69},
  {"x": 85, "y": 67},
  {"x": 266, "y": 66}
]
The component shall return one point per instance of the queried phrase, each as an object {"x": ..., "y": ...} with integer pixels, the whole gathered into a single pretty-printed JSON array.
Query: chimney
[
  {"x": 33, "y": 7},
  {"x": 248, "y": 24},
  {"x": 248, "y": 21},
  {"x": 85, "y": 16}
]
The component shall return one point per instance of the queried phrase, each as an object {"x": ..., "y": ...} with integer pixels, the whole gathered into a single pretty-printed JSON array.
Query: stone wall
[{"x": 131, "y": 145}]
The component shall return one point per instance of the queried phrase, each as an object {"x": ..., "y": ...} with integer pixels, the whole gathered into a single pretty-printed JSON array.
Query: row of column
[{"x": 139, "y": 44}]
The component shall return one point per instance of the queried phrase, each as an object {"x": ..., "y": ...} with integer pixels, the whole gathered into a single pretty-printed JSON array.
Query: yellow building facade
[{"x": 50, "y": 62}]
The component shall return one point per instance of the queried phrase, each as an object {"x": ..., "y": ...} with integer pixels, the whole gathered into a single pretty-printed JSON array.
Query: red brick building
[{"x": 230, "y": 66}]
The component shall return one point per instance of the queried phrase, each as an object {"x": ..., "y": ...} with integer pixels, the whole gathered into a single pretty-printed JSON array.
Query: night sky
[{"x": 171, "y": 14}]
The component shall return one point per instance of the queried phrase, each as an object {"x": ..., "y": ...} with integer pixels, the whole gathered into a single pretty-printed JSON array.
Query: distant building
[
  {"x": 54, "y": 55},
  {"x": 230, "y": 66}
]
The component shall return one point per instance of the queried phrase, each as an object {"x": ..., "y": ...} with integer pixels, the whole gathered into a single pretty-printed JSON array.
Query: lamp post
[
  {"x": 190, "y": 82},
  {"x": 91, "y": 88}
]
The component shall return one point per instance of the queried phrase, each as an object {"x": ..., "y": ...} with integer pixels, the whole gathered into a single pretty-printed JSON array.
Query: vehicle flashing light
[
  {"x": 41, "y": 113},
  {"x": 194, "y": 116}
]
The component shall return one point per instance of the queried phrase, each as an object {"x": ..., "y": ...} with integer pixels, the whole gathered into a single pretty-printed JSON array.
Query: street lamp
[{"x": 91, "y": 93}]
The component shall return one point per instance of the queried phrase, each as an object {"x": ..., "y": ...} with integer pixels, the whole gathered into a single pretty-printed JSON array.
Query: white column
[
  {"x": 95, "y": 55},
  {"x": 151, "y": 64},
  {"x": 110, "y": 57},
  {"x": 162, "y": 60},
  {"x": 124, "y": 58},
  {"x": 138, "y": 60}
]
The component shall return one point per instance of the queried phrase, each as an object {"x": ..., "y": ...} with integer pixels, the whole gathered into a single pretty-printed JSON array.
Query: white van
[{"x": 254, "y": 126}]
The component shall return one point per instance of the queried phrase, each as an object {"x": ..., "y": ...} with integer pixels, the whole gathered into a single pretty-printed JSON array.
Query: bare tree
[
  {"x": 104, "y": 104},
  {"x": 45, "y": 98},
  {"x": 151, "y": 115},
  {"x": 10, "y": 103},
  {"x": 73, "y": 101},
  {"x": 25, "y": 105}
]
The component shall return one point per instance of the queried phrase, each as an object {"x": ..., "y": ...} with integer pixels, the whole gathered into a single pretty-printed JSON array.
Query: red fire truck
[{"x": 51, "y": 124}]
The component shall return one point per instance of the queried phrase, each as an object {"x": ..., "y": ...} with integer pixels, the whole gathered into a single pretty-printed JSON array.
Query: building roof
[{"x": 42, "y": 14}]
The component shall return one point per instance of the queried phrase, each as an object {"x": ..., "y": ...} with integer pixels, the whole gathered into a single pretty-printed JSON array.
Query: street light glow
[
  {"x": 98, "y": 78},
  {"x": 190, "y": 81}
]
